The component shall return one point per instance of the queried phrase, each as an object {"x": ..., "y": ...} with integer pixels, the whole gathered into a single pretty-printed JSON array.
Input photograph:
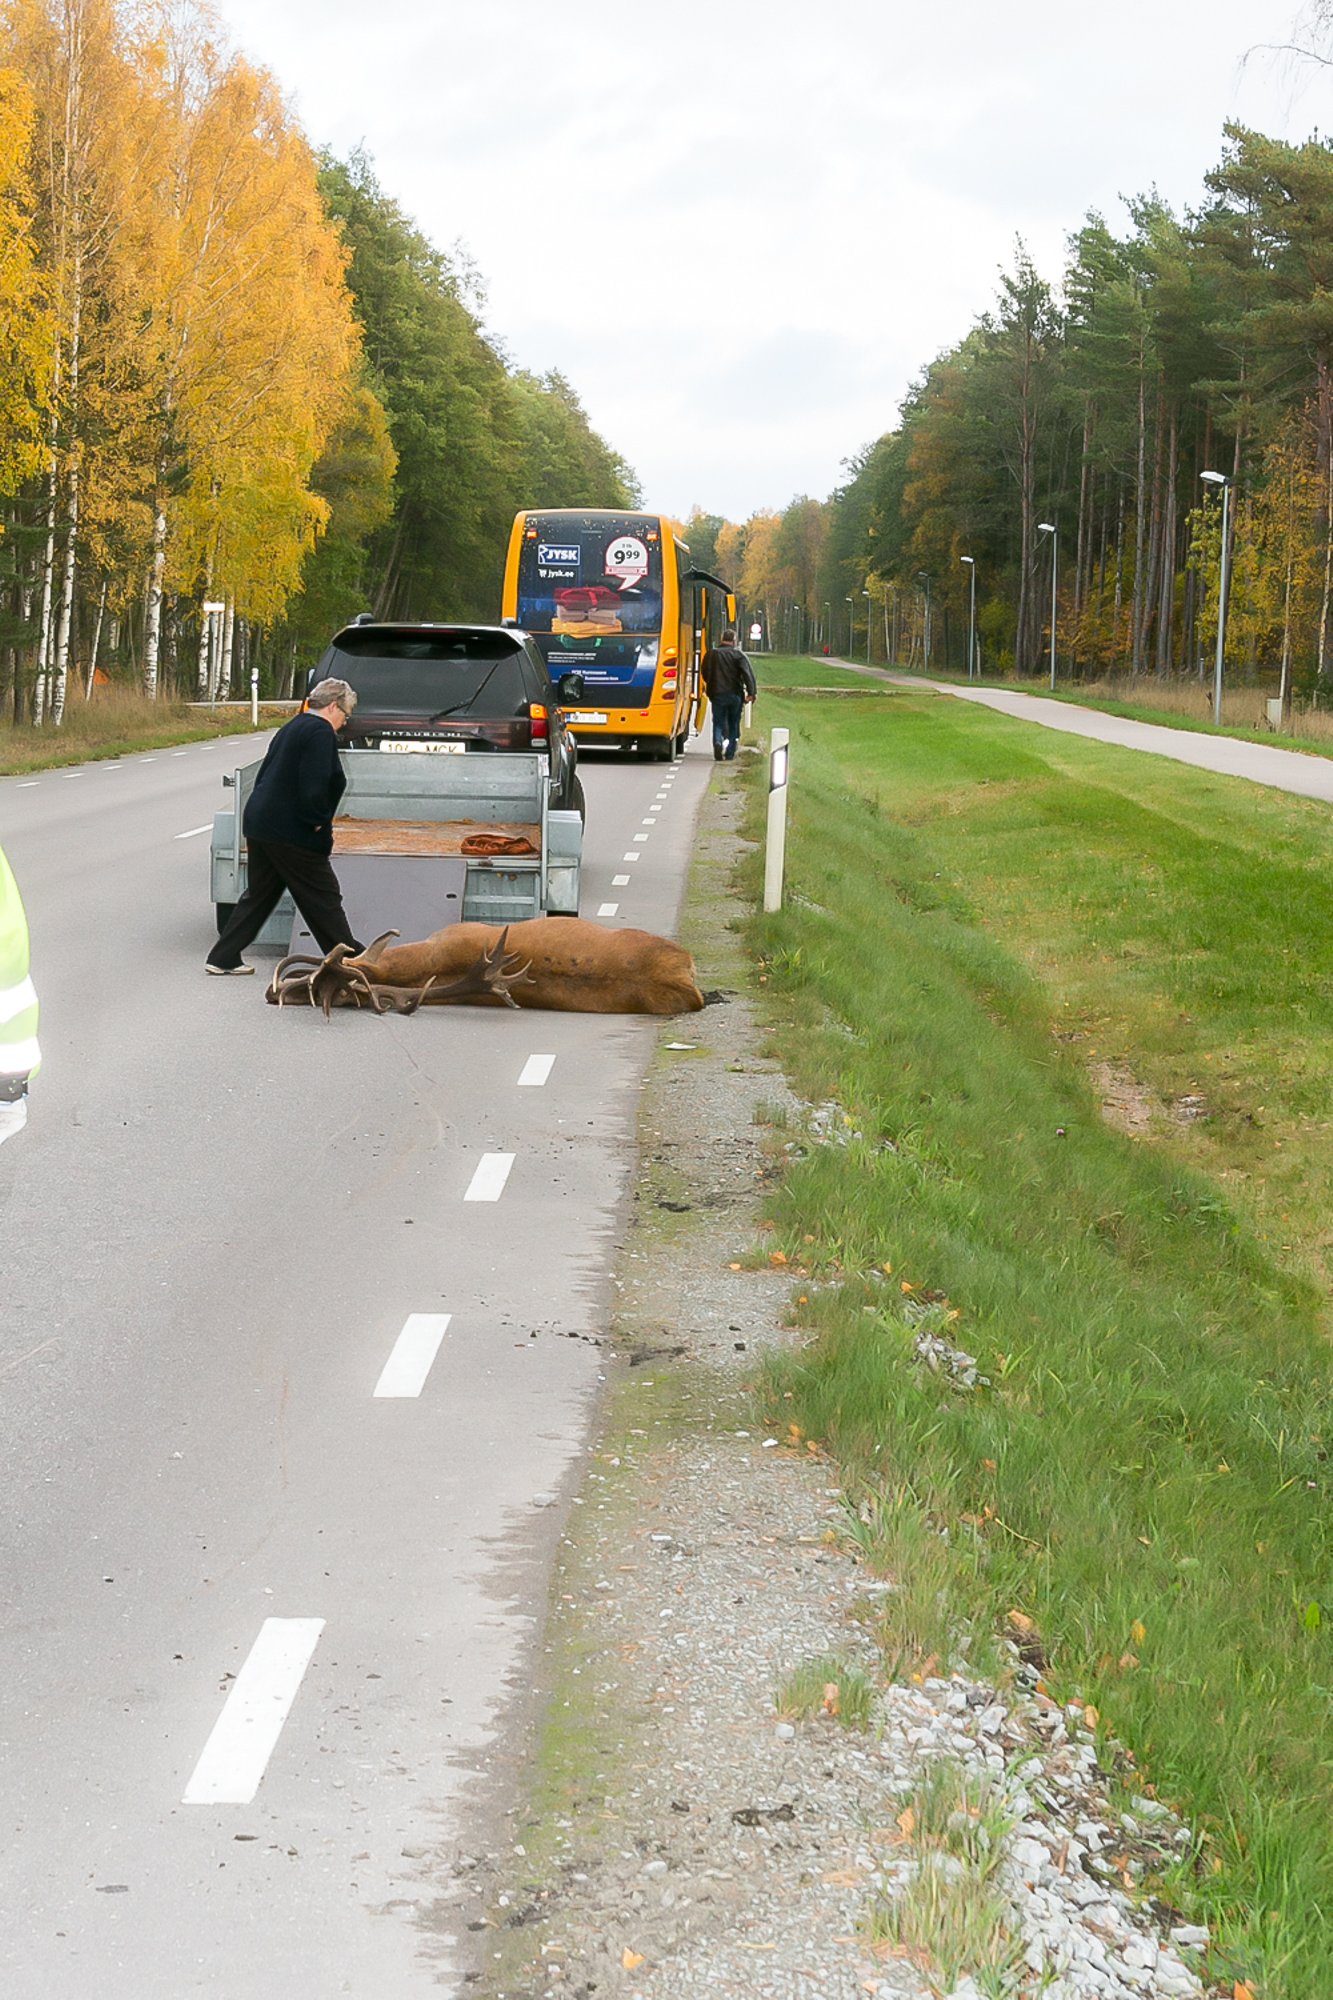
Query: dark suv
[{"x": 424, "y": 688}]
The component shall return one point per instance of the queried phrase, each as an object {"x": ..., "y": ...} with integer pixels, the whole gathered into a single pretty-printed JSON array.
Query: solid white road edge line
[
  {"x": 536, "y": 1069},
  {"x": 608, "y": 909},
  {"x": 191, "y": 832},
  {"x": 244, "y": 1736},
  {"x": 488, "y": 1182},
  {"x": 414, "y": 1351}
]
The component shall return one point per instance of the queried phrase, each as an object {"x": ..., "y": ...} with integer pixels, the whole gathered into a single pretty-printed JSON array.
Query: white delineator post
[
  {"x": 254, "y": 697},
  {"x": 776, "y": 849}
]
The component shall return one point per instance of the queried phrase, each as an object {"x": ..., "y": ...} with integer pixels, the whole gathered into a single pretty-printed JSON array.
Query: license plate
[
  {"x": 439, "y": 749},
  {"x": 587, "y": 715}
]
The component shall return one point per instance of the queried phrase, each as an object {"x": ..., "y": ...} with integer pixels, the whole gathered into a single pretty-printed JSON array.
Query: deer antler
[
  {"x": 339, "y": 980},
  {"x": 328, "y": 982},
  {"x": 492, "y": 974}
]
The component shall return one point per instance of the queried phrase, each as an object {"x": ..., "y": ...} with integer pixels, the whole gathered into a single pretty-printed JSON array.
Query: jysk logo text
[{"x": 555, "y": 552}]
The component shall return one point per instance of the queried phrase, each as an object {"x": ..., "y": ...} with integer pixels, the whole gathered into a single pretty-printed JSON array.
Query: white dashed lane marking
[
  {"x": 488, "y": 1182},
  {"x": 608, "y": 909},
  {"x": 650, "y": 821},
  {"x": 620, "y": 881},
  {"x": 245, "y": 1735},
  {"x": 26, "y": 784},
  {"x": 641, "y": 836},
  {"x": 72, "y": 774},
  {"x": 536, "y": 1069},
  {"x": 191, "y": 832},
  {"x": 631, "y": 857},
  {"x": 414, "y": 1351}
]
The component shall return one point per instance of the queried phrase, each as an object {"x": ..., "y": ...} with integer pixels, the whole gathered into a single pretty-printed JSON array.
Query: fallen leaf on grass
[
  {"x": 777, "y": 1256},
  {"x": 1018, "y": 1621},
  {"x": 907, "y": 1822},
  {"x": 832, "y": 1698},
  {"x": 1242, "y": 1991}
]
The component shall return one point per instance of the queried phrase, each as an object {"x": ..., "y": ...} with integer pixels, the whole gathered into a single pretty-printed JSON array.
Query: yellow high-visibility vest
[{"x": 19, "y": 1053}]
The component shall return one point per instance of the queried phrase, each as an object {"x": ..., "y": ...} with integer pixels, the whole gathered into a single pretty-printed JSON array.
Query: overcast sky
[{"x": 741, "y": 228}]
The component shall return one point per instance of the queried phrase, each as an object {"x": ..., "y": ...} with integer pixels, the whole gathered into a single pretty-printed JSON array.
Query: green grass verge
[
  {"x": 119, "y": 725},
  {"x": 1315, "y": 742},
  {"x": 977, "y": 911}
]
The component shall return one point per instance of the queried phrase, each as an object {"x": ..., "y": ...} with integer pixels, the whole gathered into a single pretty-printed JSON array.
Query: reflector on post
[{"x": 775, "y": 851}]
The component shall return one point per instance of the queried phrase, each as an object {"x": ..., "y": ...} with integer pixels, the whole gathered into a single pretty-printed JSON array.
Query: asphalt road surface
[{"x": 297, "y": 1366}]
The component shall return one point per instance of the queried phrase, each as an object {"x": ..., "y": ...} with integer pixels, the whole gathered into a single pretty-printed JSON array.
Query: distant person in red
[{"x": 729, "y": 684}]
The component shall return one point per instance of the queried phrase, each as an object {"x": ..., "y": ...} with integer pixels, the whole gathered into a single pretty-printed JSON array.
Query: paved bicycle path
[{"x": 1262, "y": 763}]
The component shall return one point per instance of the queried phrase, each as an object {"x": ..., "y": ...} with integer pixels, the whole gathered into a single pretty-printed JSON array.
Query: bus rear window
[{"x": 590, "y": 579}]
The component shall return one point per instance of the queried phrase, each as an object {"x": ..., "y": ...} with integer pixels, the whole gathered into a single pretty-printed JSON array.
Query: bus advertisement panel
[{"x": 590, "y": 593}]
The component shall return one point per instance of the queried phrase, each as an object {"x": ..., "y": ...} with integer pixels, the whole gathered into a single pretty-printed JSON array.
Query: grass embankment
[
  {"x": 116, "y": 724},
  {"x": 979, "y": 913},
  {"x": 1186, "y": 704}
]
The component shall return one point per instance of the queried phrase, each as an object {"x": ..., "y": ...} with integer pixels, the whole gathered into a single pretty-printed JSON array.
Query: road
[
  {"x": 266, "y": 1634},
  {"x": 1262, "y": 763}
]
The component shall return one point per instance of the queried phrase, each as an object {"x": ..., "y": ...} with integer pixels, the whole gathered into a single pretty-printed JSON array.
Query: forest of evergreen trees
[
  {"x": 1186, "y": 345},
  {"x": 232, "y": 375}
]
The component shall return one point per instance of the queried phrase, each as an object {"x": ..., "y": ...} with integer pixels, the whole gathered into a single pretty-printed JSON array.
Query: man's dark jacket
[
  {"x": 298, "y": 788},
  {"x": 726, "y": 671}
]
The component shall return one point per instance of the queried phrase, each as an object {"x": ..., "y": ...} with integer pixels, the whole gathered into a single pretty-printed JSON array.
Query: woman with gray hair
[{"x": 288, "y": 829}]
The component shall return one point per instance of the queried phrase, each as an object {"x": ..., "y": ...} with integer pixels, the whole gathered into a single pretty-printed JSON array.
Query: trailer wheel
[
  {"x": 224, "y": 916},
  {"x": 577, "y": 800}
]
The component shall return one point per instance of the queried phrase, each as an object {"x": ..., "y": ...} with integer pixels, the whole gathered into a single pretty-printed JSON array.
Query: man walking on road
[
  {"x": 288, "y": 829},
  {"x": 729, "y": 684},
  {"x": 19, "y": 1054}
]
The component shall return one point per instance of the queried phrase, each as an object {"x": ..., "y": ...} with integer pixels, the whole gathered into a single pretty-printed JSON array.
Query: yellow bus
[{"x": 612, "y": 599}]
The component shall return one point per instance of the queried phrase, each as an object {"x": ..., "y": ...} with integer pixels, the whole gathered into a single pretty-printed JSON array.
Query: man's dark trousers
[
  {"x": 275, "y": 866},
  {"x": 727, "y": 710}
]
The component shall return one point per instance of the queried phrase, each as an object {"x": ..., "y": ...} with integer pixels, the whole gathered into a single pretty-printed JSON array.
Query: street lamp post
[
  {"x": 1049, "y": 528},
  {"x": 828, "y": 624},
  {"x": 851, "y": 624},
  {"x": 866, "y": 595},
  {"x": 971, "y": 562},
  {"x": 1221, "y": 479}
]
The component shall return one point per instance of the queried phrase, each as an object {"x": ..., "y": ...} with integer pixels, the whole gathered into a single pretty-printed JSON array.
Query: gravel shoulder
[{"x": 681, "y": 1833}]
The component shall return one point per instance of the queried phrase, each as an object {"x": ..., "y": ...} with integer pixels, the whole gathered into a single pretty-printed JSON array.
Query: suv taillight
[{"x": 540, "y": 730}]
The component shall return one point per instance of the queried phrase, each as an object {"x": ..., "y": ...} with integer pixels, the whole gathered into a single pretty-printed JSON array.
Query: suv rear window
[{"x": 430, "y": 673}]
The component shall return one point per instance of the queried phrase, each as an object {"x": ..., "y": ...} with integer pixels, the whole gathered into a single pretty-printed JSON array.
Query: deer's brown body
[{"x": 572, "y": 966}]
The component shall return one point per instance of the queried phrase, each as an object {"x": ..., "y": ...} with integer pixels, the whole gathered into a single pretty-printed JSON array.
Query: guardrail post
[
  {"x": 776, "y": 850},
  {"x": 254, "y": 697}
]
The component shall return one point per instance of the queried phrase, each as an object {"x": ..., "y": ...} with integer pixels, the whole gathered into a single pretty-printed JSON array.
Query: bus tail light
[{"x": 540, "y": 720}]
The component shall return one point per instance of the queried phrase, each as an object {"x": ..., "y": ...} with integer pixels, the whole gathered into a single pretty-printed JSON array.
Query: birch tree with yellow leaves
[{"x": 249, "y": 343}]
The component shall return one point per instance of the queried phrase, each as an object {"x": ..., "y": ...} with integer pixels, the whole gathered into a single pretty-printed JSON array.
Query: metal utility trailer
[{"x": 400, "y": 841}]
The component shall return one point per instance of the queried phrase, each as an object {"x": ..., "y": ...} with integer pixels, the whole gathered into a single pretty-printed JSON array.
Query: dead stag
[{"x": 331, "y": 981}]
